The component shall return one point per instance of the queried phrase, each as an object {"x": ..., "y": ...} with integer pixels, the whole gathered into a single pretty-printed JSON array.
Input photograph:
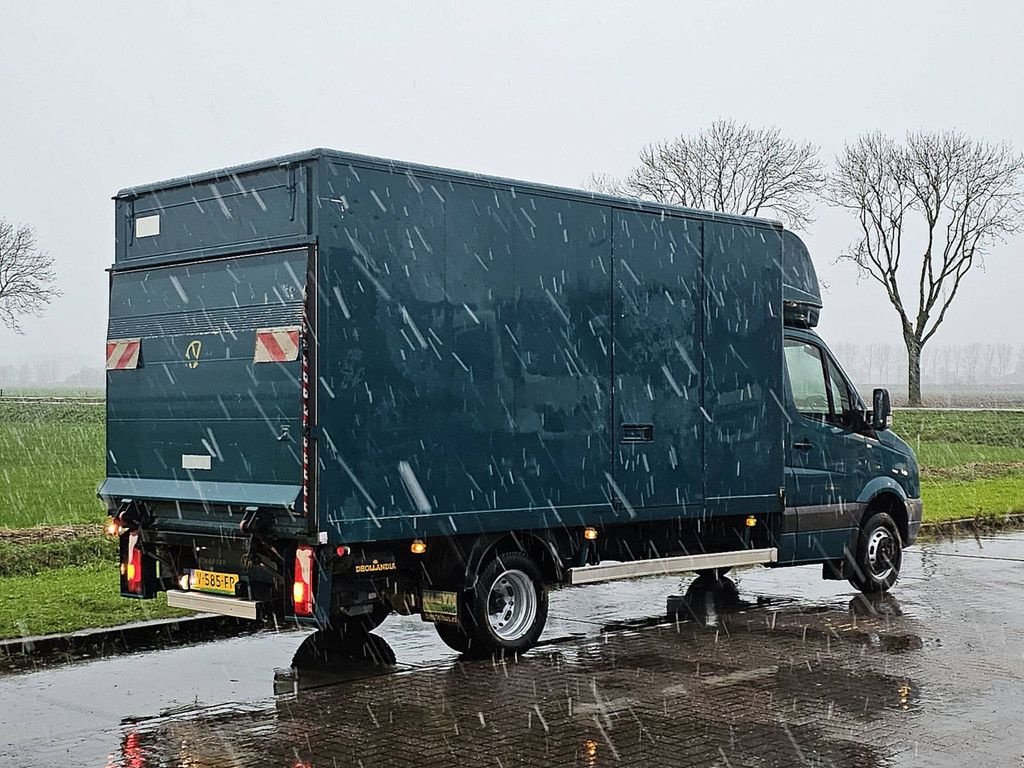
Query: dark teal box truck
[{"x": 340, "y": 386}]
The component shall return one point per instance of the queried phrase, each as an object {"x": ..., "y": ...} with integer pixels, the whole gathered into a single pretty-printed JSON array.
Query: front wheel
[
  {"x": 506, "y": 610},
  {"x": 879, "y": 555}
]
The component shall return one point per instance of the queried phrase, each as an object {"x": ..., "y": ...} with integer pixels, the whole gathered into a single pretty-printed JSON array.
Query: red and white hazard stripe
[
  {"x": 305, "y": 433},
  {"x": 123, "y": 354},
  {"x": 277, "y": 345}
]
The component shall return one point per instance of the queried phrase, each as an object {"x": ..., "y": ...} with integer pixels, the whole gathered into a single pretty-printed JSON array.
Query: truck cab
[{"x": 851, "y": 483}]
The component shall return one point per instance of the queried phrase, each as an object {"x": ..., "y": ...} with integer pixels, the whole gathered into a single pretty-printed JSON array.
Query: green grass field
[{"x": 51, "y": 463}]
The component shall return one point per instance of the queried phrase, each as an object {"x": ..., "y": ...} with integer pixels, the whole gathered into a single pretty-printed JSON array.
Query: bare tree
[
  {"x": 606, "y": 185},
  {"x": 933, "y": 205},
  {"x": 729, "y": 167},
  {"x": 27, "y": 279}
]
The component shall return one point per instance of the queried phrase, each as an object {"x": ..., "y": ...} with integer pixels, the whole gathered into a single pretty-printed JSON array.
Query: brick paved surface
[{"x": 735, "y": 683}]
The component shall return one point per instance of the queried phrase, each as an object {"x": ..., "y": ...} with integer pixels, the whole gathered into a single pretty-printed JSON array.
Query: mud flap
[
  {"x": 439, "y": 606},
  {"x": 838, "y": 570}
]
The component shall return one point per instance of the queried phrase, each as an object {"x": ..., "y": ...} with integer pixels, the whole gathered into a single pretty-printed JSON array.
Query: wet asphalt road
[{"x": 784, "y": 669}]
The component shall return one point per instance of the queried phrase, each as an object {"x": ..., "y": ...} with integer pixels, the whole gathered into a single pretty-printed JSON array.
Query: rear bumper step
[
  {"x": 593, "y": 573},
  {"x": 225, "y": 606}
]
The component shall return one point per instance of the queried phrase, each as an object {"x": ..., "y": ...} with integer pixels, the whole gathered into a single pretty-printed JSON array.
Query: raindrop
[{"x": 413, "y": 487}]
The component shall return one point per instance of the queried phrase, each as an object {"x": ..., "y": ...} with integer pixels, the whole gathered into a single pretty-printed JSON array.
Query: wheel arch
[
  {"x": 537, "y": 547},
  {"x": 894, "y": 505}
]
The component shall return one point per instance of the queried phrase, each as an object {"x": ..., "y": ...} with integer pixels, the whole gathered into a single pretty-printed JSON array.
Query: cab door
[{"x": 828, "y": 460}]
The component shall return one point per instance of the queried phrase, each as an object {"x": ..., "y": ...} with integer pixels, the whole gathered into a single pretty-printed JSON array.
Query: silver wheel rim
[
  {"x": 881, "y": 553},
  {"x": 512, "y": 605}
]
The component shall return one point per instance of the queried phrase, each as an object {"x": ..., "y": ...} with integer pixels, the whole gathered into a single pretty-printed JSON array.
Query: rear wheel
[
  {"x": 454, "y": 637},
  {"x": 506, "y": 610},
  {"x": 879, "y": 555}
]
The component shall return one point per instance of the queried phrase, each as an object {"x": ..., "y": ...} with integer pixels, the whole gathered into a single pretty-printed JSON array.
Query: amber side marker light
[
  {"x": 751, "y": 521},
  {"x": 590, "y": 533},
  {"x": 418, "y": 547}
]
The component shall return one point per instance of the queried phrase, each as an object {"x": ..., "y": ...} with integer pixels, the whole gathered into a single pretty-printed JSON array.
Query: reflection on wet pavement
[{"x": 772, "y": 668}]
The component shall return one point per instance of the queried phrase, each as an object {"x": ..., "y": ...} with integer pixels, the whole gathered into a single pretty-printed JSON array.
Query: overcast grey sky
[{"x": 98, "y": 96}]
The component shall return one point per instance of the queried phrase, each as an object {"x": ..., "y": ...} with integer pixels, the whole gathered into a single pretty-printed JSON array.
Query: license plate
[
  {"x": 211, "y": 581},
  {"x": 440, "y": 606}
]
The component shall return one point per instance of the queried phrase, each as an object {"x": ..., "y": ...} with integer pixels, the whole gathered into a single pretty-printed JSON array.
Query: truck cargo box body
[
  {"x": 206, "y": 422},
  {"x": 482, "y": 354}
]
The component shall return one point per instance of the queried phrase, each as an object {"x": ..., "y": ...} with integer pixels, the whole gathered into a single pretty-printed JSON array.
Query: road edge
[
  {"x": 971, "y": 526},
  {"x": 100, "y": 642}
]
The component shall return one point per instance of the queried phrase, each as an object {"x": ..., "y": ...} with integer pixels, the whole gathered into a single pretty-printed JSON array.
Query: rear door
[{"x": 204, "y": 382}]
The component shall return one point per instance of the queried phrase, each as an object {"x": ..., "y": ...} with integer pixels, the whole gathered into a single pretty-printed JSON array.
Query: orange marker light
[
  {"x": 418, "y": 547},
  {"x": 751, "y": 521},
  {"x": 590, "y": 533}
]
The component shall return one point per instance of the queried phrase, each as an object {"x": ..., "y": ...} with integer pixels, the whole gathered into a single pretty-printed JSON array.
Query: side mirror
[{"x": 881, "y": 409}]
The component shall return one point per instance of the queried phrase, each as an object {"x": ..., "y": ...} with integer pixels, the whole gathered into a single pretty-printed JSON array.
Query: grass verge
[
  {"x": 66, "y": 599},
  {"x": 972, "y": 462},
  {"x": 25, "y": 558},
  {"x": 983, "y": 497}
]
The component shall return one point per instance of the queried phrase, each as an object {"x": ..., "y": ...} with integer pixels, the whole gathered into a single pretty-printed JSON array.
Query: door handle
[
  {"x": 637, "y": 433},
  {"x": 803, "y": 445}
]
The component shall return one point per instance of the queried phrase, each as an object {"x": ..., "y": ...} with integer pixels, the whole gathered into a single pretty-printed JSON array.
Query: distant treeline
[
  {"x": 51, "y": 373},
  {"x": 942, "y": 366}
]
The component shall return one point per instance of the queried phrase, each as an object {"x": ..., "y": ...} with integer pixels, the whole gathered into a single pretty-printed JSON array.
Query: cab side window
[
  {"x": 807, "y": 380},
  {"x": 818, "y": 389},
  {"x": 841, "y": 402}
]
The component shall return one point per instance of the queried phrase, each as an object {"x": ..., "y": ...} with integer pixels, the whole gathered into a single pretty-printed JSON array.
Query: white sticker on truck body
[
  {"x": 147, "y": 226},
  {"x": 195, "y": 461}
]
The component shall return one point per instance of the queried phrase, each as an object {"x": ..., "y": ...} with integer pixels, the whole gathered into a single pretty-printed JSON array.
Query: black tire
[
  {"x": 876, "y": 563},
  {"x": 713, "y": 574},
  {"x": 511, "y": 588},
  {"x": 454, "y": 637}
]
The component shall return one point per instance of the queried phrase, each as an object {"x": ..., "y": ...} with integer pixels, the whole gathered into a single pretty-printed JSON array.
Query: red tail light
[
  {"x": 302, "y": 583},
  {"x": 133, "y": 564}
]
